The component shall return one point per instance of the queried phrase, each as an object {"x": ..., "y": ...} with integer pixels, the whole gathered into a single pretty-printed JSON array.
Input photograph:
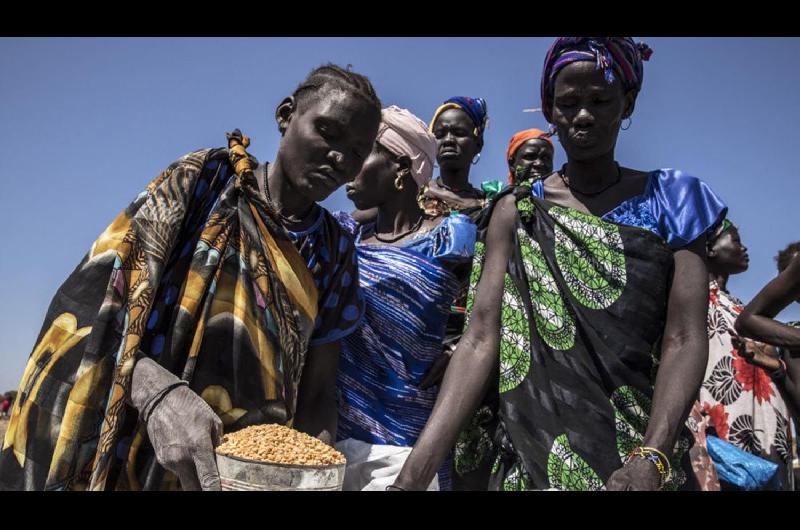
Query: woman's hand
[
  {"x": 758, "y": 354},
  {"x": 637, "y": 475},
  {"x": 181, "y": 426}
]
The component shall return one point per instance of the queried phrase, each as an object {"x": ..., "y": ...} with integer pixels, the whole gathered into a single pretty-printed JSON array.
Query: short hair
[
  {"x": 329, "y": 77},
  {"x": 785, "y": 256}
]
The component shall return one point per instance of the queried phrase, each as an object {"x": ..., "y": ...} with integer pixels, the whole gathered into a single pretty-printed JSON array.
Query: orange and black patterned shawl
[{"x": 195, "y": 273}]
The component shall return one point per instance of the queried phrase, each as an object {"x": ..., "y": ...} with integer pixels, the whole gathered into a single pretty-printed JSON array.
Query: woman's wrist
[
  {"x": 654, "y": 456},
  {"x": 779, "y": 374}
]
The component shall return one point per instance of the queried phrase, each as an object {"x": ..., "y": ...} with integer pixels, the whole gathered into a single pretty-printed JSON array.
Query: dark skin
[
  {"x": 534, "y": 158},
  {"x": 375, "y": 187},
  {"x": 757, "y": 319},
  {"x": 397, "y": 211},
  {"x": 456, "y": 147},
  {"x": 323, "y": 145},
  {"x": 587, "y": 113},
  {"x": 757, "y": 322},
  {"x": 727, "y": 256}
]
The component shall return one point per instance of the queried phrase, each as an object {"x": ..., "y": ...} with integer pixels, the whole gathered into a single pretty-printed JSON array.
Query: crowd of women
[{"x": 567, "y": 329}]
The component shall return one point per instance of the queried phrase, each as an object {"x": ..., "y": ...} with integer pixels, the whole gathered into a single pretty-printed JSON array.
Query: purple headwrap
[{"x": 614, "y": 55}]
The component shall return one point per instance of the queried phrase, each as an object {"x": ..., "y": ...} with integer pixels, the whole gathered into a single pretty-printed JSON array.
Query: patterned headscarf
[
  {"x": 614, "y": 55},
  {"x": 520, "y": 138},
  {"x": 403, "y": 134},
  {"x": 474, "y": 107}
]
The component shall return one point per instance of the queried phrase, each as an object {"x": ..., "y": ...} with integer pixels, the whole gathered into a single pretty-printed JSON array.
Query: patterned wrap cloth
[
  {"x": 196, "y": 273},
  {"x": 582, "y": 315}
]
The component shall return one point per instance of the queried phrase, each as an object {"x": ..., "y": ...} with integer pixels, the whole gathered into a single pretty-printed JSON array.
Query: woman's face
[
  {"x": 587, "y": 111},
  {"x": 456, "y": 143},
  {"x": 374, "y": 184},
  {"x": 534, "y": 158},
  {"x": 326, "y": 142},
  {"x": 727, "y": 255}
]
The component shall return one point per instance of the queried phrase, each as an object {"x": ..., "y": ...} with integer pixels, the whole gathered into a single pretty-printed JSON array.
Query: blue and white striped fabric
[{"x": 408, "y": 292}]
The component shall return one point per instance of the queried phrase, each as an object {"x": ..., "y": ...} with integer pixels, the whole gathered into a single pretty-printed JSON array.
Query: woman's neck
[
  {"x": 398, "y": 216},
  {"x": 591, "y": 175},
  {"x": 456, "y": 179},
  {"x": 291, "y": 205},
  {"x": 721, "y": 279}
]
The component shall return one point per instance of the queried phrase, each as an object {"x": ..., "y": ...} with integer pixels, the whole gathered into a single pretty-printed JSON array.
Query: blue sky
[{"x": 86, "y": 123}]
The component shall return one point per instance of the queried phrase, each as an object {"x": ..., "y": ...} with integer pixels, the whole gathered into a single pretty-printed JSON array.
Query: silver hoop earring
[
  {"x": 630, "y": 121},
  {"x": 476, "y": 159}
]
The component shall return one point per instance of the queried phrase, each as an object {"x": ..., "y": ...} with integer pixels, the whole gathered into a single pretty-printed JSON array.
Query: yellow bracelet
[{"x": 656, "y": 457}]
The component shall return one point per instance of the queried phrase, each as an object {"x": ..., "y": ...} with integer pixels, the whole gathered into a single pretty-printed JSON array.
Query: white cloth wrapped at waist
[{"x": 372, "y": 467}]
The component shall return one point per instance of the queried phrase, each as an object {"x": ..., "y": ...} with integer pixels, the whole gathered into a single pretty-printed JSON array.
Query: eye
[{"x": 327, "y": 129}]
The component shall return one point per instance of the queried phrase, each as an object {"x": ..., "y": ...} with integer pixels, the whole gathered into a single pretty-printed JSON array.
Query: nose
[
  {"x": 336, "y": 158},
  {"x": 583, "y": 118}
]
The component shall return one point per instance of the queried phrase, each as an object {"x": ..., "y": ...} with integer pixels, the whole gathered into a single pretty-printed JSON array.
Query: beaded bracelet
[{"x": 656, "y": 457}]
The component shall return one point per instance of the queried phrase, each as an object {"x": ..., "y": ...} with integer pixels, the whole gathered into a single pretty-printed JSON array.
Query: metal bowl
[{"x": 242, "y": 474}]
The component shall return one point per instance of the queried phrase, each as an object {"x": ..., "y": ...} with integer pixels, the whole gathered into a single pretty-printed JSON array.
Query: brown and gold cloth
[{"x": 196, "y": 273}]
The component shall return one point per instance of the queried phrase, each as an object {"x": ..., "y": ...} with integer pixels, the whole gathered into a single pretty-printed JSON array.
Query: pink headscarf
[{"x": 403, "y": 134}]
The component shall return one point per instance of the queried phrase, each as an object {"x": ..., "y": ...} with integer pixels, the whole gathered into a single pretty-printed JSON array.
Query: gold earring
[{"x": 398, "y": 183}]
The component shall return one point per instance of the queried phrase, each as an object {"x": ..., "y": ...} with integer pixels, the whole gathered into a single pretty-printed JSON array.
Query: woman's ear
[
  {"x": 284, "y": 112},
  {"x": 630, "y": 104},
  {"x": 403, "y": 165}
]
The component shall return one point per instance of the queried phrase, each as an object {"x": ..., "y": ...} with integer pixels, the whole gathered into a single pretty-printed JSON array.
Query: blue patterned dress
[{"x": 408, "y": 291}]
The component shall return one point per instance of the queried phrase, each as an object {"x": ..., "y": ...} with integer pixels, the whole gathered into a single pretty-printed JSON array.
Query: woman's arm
[
  {"x": 786, "y": 376},
  {"x": 756, "y": 321},
  {"x": 467, "y": 377},
  {"x": 684, "y": 355}
]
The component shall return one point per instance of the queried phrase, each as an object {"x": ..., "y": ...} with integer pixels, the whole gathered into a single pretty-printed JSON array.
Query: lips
[
  {"x": 582, "y": 138},
  {"x": 327, "y": 175}
]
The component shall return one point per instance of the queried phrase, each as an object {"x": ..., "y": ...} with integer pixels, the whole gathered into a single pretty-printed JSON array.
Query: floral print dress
[{"x": 742, "y": 401}]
